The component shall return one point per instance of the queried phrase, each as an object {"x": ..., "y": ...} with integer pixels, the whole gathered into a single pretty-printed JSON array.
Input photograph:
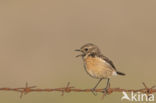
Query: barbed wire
[{"x": 67, "y": 89}]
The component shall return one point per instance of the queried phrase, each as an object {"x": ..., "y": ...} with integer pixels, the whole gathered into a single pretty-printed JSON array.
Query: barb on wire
[
  {"x": 67, "y": 89},
  {"x": 26, "y": 90}
]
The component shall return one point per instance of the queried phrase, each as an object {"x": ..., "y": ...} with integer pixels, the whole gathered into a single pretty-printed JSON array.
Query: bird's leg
[
  {"x": 107, "y": 86},
  {"x": 93, "y": 89}
]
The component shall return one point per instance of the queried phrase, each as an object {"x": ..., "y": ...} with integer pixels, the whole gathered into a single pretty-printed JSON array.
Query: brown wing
[{"x": 108, "y": 61}]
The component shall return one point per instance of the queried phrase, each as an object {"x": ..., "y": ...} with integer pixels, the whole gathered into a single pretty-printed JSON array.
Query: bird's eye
[{"x": 86, "y": 49}]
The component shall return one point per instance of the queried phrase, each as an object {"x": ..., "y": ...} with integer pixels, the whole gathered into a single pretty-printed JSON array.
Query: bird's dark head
[{"x": 88, "y": 49}]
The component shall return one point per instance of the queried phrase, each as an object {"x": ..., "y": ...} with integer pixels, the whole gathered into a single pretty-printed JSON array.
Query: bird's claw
[
  {"x": 94, "y": 92},
  {"x": 105, "y": 91}
]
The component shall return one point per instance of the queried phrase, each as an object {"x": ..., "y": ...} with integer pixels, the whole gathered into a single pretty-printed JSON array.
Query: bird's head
[{"x": 88, "y": 49}]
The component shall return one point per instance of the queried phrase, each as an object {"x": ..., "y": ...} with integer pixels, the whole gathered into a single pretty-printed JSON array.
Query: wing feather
[{"x": 108, "y": 61}]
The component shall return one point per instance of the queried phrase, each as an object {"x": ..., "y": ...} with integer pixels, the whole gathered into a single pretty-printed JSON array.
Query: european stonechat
[{"x": 97, "y": 65}]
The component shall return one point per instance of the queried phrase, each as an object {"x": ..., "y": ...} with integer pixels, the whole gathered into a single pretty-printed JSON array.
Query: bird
[{"x": 97, "y": 65}]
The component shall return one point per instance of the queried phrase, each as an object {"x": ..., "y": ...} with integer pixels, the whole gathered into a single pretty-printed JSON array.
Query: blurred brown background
[{"x": 37, "y": 39}]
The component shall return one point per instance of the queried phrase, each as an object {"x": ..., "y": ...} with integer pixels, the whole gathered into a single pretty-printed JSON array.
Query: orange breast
[{"x": 97, "y": 67}]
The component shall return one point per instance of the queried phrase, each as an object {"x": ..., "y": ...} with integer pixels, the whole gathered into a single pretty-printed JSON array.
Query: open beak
[
  {"x": 77, "y": 50},
  {"x": 79, "y": 54}
]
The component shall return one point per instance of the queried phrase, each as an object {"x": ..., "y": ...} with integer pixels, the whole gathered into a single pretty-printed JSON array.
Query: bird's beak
[
  {"x": 79, "y": 54},
  {"x": 77, "y": 50}
]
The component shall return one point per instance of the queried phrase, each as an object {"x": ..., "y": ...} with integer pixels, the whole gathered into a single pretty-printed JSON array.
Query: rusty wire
[{"x": 67, "y": 89}]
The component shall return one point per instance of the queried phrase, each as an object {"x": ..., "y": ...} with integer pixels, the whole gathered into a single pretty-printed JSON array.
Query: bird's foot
[
  {"x": 94, "y": 91},
  {"x": 105, "y": 91}
]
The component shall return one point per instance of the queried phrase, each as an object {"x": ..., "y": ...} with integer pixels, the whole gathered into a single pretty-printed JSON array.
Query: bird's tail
[{"x": 120, "y": 73}]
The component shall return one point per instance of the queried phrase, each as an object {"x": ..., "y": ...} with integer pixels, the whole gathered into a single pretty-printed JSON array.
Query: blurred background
[{"x": 38, "y": 38}]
